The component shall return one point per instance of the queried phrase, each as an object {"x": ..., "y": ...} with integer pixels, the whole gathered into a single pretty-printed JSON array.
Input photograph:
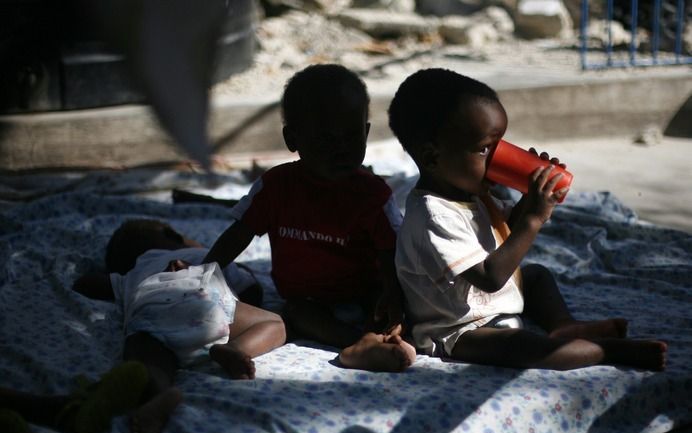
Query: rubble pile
[{"x": 374, "y": 36}]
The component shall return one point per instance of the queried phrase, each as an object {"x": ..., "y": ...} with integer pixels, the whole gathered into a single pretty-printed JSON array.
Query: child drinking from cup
[{"x": 457, "y": 259}]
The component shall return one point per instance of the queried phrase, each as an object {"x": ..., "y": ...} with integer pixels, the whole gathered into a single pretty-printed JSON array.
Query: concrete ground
[{"x": 655, "y": 181}]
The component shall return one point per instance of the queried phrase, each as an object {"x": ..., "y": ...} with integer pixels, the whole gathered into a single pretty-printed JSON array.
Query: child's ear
[
  {"x": 429, "y": 155},
  {"x": 290, "y": 138}
]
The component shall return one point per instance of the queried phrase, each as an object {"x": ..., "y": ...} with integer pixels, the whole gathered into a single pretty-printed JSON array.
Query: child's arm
[
  {"x": 491, "y": 274},
  {"x": 390, "y": 305},
  {"x": 230, "y": 244},
  {"x": 94, "y": 286}
]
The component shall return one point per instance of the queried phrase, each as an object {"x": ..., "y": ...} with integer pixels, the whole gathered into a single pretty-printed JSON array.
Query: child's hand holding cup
[{"x": 512, "y": 166}]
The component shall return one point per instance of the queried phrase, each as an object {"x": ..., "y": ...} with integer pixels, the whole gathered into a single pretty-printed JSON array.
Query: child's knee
[
  {"x": 144, "y": 347},
  {"x": 536, "y": 273},
  {"x": 278, "y": 328},
  {"x": 275, "y": 321}
]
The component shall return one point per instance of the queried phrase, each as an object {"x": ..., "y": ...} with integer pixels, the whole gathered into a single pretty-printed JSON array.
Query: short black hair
[
  {"x": 132, "y": 239},
  {"x": 320, "y": 85},
  {"x": 426, "y": 99}
]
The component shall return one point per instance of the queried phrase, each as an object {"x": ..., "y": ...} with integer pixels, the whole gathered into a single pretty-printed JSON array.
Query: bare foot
[
  {"x": 609, "y": 328},
  {"x": 152, "y": 416},
  {"x": 237, "y": 364},
  {"x": 645, "y": 354},
  {"x": 376, "y": 352},
  {"x": 408, "y": 348}
]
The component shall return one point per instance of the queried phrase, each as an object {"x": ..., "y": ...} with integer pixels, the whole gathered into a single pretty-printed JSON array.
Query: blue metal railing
[{"x": 606, "y": 55}]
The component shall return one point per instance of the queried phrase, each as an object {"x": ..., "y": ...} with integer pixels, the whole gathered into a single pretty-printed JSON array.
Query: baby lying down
[
  {"x": 188, "y": 308},
  {"x": 175, "y": 313}
]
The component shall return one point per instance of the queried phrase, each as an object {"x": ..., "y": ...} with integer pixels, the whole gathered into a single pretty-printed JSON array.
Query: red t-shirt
[{"x": 324, "y": 234}]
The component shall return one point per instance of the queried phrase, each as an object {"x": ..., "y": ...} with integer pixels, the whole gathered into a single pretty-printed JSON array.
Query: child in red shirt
[{"x": 331, "y": 224}]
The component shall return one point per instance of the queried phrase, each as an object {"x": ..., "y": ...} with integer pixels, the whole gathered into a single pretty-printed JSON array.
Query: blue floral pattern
[{"x": 607, "y": 263}]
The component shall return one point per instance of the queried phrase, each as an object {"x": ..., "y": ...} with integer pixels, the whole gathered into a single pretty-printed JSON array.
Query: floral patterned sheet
[{"x": 607, "y": 263}]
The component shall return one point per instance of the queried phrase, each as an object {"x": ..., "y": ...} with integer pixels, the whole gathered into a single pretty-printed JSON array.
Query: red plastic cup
[{"x": 512, "y": 166}]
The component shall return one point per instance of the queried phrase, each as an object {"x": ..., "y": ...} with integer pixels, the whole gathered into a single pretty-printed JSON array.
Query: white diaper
[{"x": 188, "y": 310}]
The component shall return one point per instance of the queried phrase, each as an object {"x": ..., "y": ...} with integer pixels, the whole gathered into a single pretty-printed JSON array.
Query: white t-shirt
[{"x": 440, "y": 239}]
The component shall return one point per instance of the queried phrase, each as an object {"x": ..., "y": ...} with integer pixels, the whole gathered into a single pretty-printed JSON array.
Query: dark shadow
[
  {"x": 438, "y": 392},
  {"x": 645, "y": 400},
  {"x": 441, "y": 387},
  {"x": 680, "y": 125},
  {"x": 357, "y": 429},
  {"x": 687, "y": 428}
]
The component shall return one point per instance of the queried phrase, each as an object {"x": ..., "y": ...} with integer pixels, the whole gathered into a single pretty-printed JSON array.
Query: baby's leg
[
  {"x": 254, "y": 331},
  {"x": 152, "y": 416},
  {"x": 592, "y": 329},
  {"x": 524, "y": 349},
  {"x": 378, "y": 352},
  {"x": 160, "y": 361},
  {"x": 233, "y": 360},
  {"x": 544, "y": 304},
  {"x": 161, "y": 398},
  {"x": 314, "y": 321}
]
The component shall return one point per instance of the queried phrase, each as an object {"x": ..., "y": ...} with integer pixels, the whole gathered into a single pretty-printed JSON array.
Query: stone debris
[
  {"x": 598, "y": 33},
  {"x": 649, "y": 135},
  {"x": 377, "y": 38},
  {"x": 381, "y": 23},
  {"x": 543, "y": 19},
  {"x": 390, "y": 5},
  {"x": 490, "y": 25}
]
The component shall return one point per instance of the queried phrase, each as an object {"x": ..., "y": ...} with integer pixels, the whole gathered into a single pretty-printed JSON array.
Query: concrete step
[{"x": 540, "y": 107}]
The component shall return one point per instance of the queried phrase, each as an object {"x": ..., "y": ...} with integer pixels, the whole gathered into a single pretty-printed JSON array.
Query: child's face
[
  {"x": 464, "y": 145},
  {"x": 331, "y": 142}
]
